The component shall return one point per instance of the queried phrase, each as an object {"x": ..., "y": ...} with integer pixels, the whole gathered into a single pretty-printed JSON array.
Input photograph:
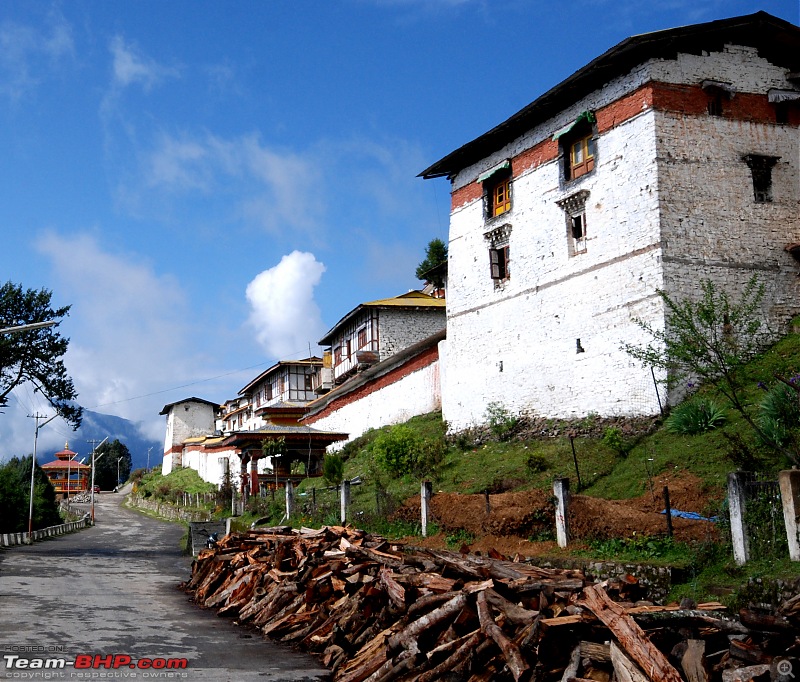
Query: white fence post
[
  {"x": 425, "y": 493},
  {"x": 736, "y": 504},
  {"x": 344, "y": 501},
  {"x": 561, "y": 491},
  {"x": 789, "y": 482},
  {"x": 289, "y": 499}
]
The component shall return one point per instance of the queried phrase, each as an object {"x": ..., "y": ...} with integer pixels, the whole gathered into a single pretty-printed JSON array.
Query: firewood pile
[{"x": 373, "y": 610}]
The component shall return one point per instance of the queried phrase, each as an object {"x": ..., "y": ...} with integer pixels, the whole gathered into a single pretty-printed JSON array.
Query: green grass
[{"x": 605, "y": 471}]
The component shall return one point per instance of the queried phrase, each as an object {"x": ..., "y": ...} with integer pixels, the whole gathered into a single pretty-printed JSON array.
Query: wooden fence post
[
  {"x": 561, "y": 491},
  {"x": 789, "y": 482},
  {"x": 345, "y": 500},
  {"x": 736, "y": 504},
  {"x": 426, "y": 490}
]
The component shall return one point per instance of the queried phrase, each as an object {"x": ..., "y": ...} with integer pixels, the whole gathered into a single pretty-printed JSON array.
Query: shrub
[
  {"x": 501, "y": 422},
  {"x": 613, "y": 438},
  {"x": 333, "y": 469},
  {"x": 695, "y": 416},
  {"x": 536, "y": 463},
  {"x": 779, "y": 413},
  {"x": 401, "y": 450}
]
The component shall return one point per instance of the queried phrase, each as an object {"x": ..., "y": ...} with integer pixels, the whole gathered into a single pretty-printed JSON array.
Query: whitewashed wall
[
  {"x": 517, "y": 344},
  {"x": 416, "y": 393},
  {"x": 670, "y": 203},
  {"x": 185, "y": 420}
]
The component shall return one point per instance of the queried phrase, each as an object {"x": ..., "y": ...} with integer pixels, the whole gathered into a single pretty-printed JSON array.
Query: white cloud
[
  {"x": 284, "y": 313},
  {"x": 132, "y": 67},
  {"x": 129, "y": 327},
  {"x": 27, "y": 55},
  {"x": 277, "y": 190}
]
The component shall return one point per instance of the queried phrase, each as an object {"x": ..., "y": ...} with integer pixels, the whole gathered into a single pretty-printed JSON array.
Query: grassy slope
[{"x": 606, "y": 473}]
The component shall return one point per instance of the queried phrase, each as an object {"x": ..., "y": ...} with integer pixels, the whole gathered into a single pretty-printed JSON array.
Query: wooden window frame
[
  {"x": 337, "y": 356},
  {"x": 500, "y": 196},
  {"x": 499, "y": 257},
  {"x": 580, "y": 168},
  {"x": 362, "y": 337}
]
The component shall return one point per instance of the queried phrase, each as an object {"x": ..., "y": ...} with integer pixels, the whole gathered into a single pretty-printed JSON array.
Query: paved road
[{"x": 112, "y": 589}]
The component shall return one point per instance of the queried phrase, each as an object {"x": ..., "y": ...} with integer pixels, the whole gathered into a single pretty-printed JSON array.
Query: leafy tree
[
  {"x": 15, "y": 481},
  {"x": 105, "y": 468},
  {"x": 710, "y": 340},
  {"x": 435, "y": 255},
  {"x": 37, "y": 355}
]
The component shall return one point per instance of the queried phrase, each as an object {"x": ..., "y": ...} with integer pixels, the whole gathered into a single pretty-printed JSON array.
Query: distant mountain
[{"x": 97, "y": 426}]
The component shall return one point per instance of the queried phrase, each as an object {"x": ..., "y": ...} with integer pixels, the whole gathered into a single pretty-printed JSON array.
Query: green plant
[
  {"x": 779, "y": 413},
  {"x": 613, "y": 438},
  {"x": 501, "y": 422},
  {"x": 401, "y": 451},
  {"x": 695, "y": 416},
  {"x": 536, "y": 462},
  {"x": 458, "y": 538},
  {"x": 333, "y": 469}
]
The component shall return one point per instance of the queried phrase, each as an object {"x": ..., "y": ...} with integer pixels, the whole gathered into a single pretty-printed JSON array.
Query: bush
[
  {"x": 695, "y": 416},
  {"x": 401, "y": 450},
  {"x": 501, "y": 422},
  {"x": 779, "y": 413},
  {"x": 613, "y": 438},
  {"x": 333, "y": 469},
  {"x": 536, "y": 463}
]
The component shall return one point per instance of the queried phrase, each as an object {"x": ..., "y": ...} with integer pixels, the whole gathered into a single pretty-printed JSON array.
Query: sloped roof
[
  {"x": 166, "y": 408},
  {"x": 776, "y": 40},
  {"x": 411, "y": 299},
  {"x": 312, "y": 361}
]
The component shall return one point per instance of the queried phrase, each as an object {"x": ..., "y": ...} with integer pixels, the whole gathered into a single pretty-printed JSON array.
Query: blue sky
[{"x": 212, "y": 185}]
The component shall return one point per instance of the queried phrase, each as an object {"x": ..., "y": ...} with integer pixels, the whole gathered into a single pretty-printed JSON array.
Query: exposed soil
[{"x": 516, "y": 520}]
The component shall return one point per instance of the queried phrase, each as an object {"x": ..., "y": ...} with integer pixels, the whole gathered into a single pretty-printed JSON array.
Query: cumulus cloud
[
  {"x": 130, "y": 66},
  {"x": 284, "y": 313},
  {"x": 28, "y": 54}
]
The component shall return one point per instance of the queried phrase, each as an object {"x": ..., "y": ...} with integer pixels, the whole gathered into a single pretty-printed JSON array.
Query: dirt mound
[{"x": 514, "y": 519}]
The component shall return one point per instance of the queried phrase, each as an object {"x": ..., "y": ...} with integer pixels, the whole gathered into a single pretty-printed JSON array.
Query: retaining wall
[
  {"x": 167, "y": 511},
  {"x": 11, "y": 539}
]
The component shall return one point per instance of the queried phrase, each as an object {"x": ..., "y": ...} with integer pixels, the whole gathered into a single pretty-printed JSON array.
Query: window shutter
[{"x": 494, "y": 259}]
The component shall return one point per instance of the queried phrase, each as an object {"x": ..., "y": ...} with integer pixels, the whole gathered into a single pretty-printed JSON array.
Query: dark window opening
[
  {"x": 715, "y": 104},
  {"x": 498, "y": 259},
  {"x": 761, "y": 169},
  {"x": 577, "y": 226}
]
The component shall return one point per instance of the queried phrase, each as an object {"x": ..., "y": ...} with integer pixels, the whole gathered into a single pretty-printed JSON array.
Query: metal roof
[
  {"x": 411, "y": 299},
  {"x": 166, "y": 408},
  {"x": 312, "y": 361},
  {"x": 776, "y": 40}
]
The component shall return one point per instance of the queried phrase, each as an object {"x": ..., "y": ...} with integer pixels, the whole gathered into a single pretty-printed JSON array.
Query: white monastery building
[{"x": 669, "y": 159}]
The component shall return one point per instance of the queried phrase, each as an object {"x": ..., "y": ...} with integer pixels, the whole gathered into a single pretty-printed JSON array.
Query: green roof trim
[{"x": 587, "y": 116}]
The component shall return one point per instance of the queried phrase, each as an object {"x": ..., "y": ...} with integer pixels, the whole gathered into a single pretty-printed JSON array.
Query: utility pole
[
  {"x": 95, "y": 444},
  {"x": 37, "y": 417},
  {"x": 119, "y": 459},
  {"x": 148, "y": 458}
]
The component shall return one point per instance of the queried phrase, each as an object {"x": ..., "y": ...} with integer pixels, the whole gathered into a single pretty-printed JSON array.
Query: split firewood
[
  {"x": 693, "y": 661},
  {"x": 373, "y": 610},
  {"x": 516, "y": 663},
  {"x": 631, "y": 637},
  {"x": 625, "y": 669}
]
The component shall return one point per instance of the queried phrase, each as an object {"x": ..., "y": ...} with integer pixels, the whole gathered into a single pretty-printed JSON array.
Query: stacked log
[{"x": 372, "y": 610}]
